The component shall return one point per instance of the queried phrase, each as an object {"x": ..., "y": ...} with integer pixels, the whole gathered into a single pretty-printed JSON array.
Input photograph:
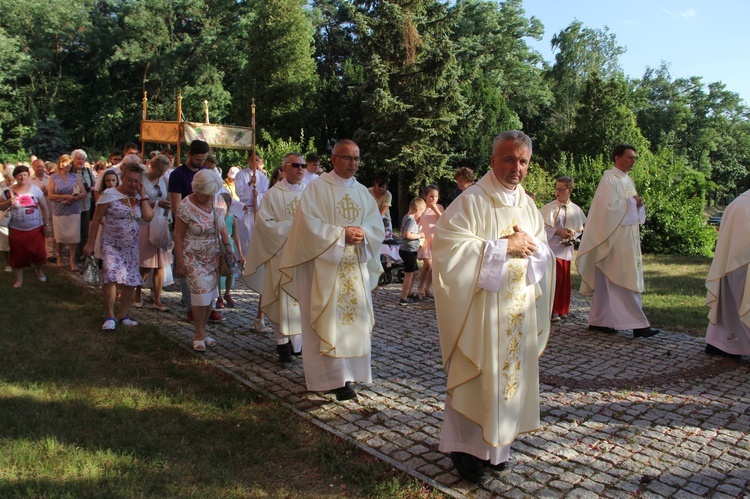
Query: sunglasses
[{"x": 297, "y": 165}]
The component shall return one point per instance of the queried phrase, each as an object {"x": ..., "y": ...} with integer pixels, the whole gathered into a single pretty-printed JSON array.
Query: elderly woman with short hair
[
  {"x": 122, "y": 207},
  {"x": 198, "y": 247},
  {"x": 66, "y": 190}
]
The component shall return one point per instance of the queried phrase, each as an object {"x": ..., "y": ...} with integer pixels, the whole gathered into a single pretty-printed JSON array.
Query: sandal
[
  {"x": 199, "y": 345},
  {"x": 229, "y": 301},
  {"x": 161, "y": 308},
  {"x": 210, "y": 342},
  {"x": 109, "y": 324},
  {"x": 127, "y": 321}
]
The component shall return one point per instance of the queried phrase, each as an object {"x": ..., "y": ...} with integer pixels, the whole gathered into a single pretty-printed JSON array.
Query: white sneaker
[
  {"x": 260, "y": 327},
  {"x": 109, "y": 325}
]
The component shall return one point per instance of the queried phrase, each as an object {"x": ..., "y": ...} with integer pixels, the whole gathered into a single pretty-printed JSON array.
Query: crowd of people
[{"x": 310, "y": 241}]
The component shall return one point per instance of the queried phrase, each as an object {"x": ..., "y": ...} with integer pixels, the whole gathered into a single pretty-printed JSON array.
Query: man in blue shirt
[{"x": 180, "y": 186}]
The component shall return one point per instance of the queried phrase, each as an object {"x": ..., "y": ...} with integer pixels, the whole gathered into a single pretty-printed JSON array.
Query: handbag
[
  {"x": 91, "y": 274},
  {"x": 7, "y": 214},
  {"x": 6, "y": 217},
  {"x": 159, "y": 234}
]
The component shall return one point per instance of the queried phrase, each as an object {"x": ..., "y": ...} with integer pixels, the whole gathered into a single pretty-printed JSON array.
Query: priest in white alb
[
  {"x": 250, "y": 185},
  {"x": 494, "y": 277},
  {"x": 331, "y": 264},
  {"x": 728, "y": 284},
  {"x": 609, "y": 257},
  {"x": 262, "y": 274},
  {"x": 563, "y": 222}
]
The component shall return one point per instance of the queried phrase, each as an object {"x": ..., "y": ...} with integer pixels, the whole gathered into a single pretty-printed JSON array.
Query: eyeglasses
[
  {"x": 297, "y": 165},
  {"x": 348, "y": 158}
]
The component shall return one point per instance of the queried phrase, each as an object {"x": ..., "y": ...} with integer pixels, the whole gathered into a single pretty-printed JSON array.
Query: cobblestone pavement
[{"x": 650, "y": 417}]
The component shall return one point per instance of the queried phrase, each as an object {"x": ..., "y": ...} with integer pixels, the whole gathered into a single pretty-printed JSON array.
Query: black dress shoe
[
  {"x": 346, "y": 392},
  {"x": 284, "y": 351},
  {"x": 712, "y": 350},
  {"x": 645, "y": 332},
  {"x": 603, "y": 329},
  {"x": 468, "y": 466},
  {"x": 496, "y": 467}
]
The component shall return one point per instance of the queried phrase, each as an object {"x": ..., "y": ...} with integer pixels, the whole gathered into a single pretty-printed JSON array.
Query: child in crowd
[
  {"x": 428, "y": 220},
  {"x": 234, "y": 239},
  {"x": 410, "y": 239}
]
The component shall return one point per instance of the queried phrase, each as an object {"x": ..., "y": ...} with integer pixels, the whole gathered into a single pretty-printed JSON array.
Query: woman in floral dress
[
  {"x": 197, "y": 249},
  {"x": 123, "y": 206}
]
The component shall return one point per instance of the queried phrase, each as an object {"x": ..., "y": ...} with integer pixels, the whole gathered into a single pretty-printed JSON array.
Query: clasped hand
[
  {"x": 520, "y": 244},
  {"x": 353, "y": 235}
]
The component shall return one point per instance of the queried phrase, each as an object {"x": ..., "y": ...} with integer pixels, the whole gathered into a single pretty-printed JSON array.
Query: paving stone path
[{"x": 650, "y": 417}]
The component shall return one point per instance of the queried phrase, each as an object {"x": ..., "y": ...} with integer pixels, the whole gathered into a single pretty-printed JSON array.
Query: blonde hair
[{"x": 417, "y": 203}]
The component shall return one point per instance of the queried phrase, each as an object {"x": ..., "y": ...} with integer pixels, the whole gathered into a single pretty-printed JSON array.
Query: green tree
[
  {"x": 501, "y": 77},
  {"x": 411, "y": 98},
  {"x": 581, "y": 51},
  {"x": 604, "y": 119},
  {"x": 278, "y": 69}
]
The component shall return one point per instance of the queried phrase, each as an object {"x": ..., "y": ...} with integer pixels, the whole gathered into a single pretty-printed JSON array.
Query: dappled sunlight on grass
[{"x": 86, "y": 414}]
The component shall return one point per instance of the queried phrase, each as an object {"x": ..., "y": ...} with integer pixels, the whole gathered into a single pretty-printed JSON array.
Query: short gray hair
[
  {"x": 79, "y": 153},
  {"x": 291, "y": 155},
  {"x": 207, "y": 182},
  {"x": 515, "y": 136}
]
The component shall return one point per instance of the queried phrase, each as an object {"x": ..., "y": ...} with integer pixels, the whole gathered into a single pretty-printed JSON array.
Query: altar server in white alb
[
  {"x": 251, "y": 184},
  {"x": 728, "y": 284},
  {"x": 563, "y": 222},
  {"x": 609, "y": 257},
  {"x": 331, "y": 264},
  {"x": 262, "y": 273},
  {"x": 494, "y": 278}
]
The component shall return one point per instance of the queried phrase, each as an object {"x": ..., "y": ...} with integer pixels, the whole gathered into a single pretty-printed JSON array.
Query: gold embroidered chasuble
[
  {"x": 272, "y": 224},
  {"x": 341, "y": 312},
  {"x": 732, "y": 253},
  {"x": 612, "y": 248},
  {"x": 491, "y": 341}
]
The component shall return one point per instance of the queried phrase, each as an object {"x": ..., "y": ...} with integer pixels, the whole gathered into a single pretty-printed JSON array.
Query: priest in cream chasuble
[
  {"x": 494, "y": 275},
  {"x": 728, "y": 283},
  {"x": 609, "y": 257},
  {"x": 331, "y": 264},
  {"x": 262, "y": 274}
]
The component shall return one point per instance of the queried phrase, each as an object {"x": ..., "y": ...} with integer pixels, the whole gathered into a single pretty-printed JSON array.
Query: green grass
[
  {"x": 675, "y": 295},
  {"x": 129, "y": 414}
]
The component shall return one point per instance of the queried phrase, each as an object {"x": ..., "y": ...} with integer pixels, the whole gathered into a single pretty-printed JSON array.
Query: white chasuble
[
  {"x": 728, "y": 281},
  {"x": 491, "y": 336},
  {"x": 262, "y": 274},
  {"x": 343, "y": 275},
  {"x": 611, "y": 241}
]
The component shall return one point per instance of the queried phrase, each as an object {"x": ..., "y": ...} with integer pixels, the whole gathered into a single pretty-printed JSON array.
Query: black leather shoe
[
  {"x": 468, "y": 466},
  {"x": 496, "y": 467},
  {"x": 346, "y": 392},
  {"x": 284, "y": 352},
  {"x": 603, "y": 329},
  {"x": 645, "y": 332},
  {"x": 712, "y": 350}
]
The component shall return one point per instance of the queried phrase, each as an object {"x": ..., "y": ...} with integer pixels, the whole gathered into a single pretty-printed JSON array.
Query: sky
[{"x": 703, "y": 38}]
